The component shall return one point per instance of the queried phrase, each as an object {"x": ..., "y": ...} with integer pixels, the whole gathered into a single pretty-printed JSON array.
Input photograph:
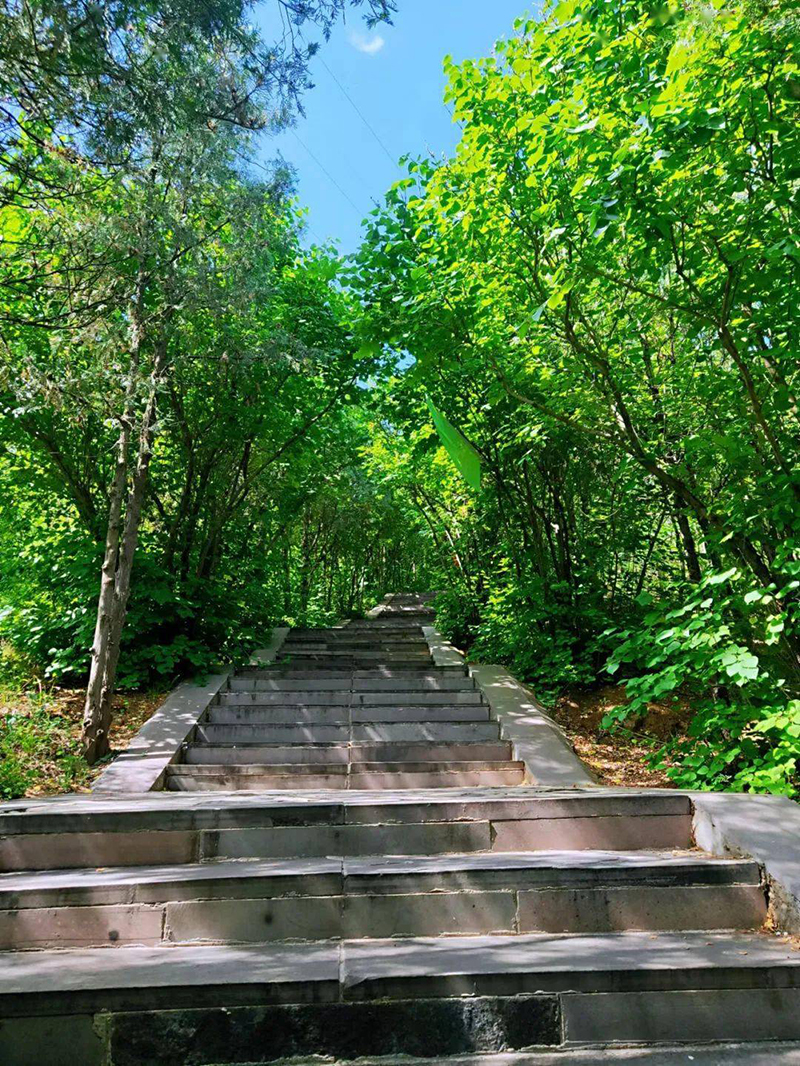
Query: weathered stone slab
[
  {"x": 84, "y": 981},
  {"x": 552, "y": 963},
  {"x": 278, "y": 715},
  {"x": 270, "y": 733},
  {"x": 764, "y": 827},
  {"x": 443, "y": 652},
  {"x": 254, "y": 920},
  {"x": 569, "y": 870},
  {"x": 429, "y": 914},
  {"x": 141, "y": 767},
  {"x": 45, "y": 851},
  {"x": 338, "y": 1031},
  {"x": 655, "y": 1017},
  {"x": 405, "y": 713},
  {"x": 414, "y": 732},
  {"x": 644, "y": 907},
  {"x": 621, "y": 832},
  {"x": 157, "y": 884},
  {"x": 406, "y": 839},
  {"x": 86, "y": 926}
]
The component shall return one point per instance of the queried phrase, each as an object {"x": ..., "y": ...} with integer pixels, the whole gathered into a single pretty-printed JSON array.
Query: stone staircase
[
  {"x": 355, "y": 919},
  {"x": 358, "y": 707}
]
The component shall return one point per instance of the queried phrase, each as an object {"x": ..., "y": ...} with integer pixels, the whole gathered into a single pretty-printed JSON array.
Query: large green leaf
[{"x": 466, "y": 459}]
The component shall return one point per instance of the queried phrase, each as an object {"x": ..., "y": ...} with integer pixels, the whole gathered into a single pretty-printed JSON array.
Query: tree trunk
[
  {"x": 116, "y": 578},
  {"x": 95, "y": 739}
]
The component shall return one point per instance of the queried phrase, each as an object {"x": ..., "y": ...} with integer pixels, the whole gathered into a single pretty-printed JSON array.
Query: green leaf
[{"x": 464, "y": 456}]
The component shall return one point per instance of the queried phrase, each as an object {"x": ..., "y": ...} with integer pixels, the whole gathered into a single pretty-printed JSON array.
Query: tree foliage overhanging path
[
  {"x": 130, "y": 234},
  {"x": 599, "y": 290}
]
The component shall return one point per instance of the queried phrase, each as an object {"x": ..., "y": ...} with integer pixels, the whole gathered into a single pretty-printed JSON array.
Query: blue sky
[{"x": 394, "y": 77}]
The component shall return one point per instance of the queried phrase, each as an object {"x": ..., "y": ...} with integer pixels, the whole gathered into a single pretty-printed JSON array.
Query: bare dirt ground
[{"x": 621, "y": 758}]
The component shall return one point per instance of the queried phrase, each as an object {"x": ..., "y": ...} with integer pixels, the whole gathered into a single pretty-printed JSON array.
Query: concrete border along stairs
[{"x": 320, "y": 911}]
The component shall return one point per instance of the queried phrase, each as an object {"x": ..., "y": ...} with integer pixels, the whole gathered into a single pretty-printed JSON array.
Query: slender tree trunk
[
  {"x": 116, "y": 580},
  {"x": 95, "y": 741}
]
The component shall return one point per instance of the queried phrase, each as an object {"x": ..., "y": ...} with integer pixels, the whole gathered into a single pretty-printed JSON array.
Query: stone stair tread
[
  {"x": 355, "y": 969},
  {"x": 341, "y": 768},
  {"x": 548, "y": 862},
  {"x": 556, "y": 961},
  {"x": 76, "y": 812}
]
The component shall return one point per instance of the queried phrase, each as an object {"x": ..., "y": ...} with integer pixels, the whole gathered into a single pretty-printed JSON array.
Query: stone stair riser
[
  {"x": 419, "y": 684},
  {"x": 354, "y": 753},
  {"x": 341, "y": 715},
  {"x": 322, "y": 698},
  {"x": 498, "y": 911},
  {"x": 376, "y": 780},
  {"x": 357, "y": 733}
]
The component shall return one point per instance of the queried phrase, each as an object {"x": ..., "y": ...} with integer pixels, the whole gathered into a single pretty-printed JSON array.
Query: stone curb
[
  {"x": 143, "y": 764},
  {"x": 443, "y": 652},
  {"x": 536, "y": 739},
  {"x": 270, "y": 653},
  {"x": 765, "y": 828}
]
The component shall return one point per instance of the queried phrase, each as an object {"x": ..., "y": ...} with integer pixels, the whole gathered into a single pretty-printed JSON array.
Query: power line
[
  {"x": 325, "y": 171},
  {"x": 267, "y": 171},
  {"x": 360, "y": 113}
]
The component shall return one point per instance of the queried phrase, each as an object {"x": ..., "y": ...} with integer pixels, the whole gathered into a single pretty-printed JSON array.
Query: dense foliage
[{"x": 600, "y": 289}]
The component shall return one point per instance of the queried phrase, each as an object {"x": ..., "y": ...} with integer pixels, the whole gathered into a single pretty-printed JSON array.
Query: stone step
[
  {"x": 298, "y": 713},
  {"x": 358, "y": 733},
  {"x": 302, "y": 770},
  {"x": 173, "y": 828},
  {"x": 326, "y": 661},
  {"x": 422, "y": 996},
  {"x": 94, "y": 812},
  {"x": 373, "y": 898},
  {"x": 346, "y": 683},
  {"x": 321, "y": 697},
  {"x": 295, "y": 673},
  {"x": 244, "y": 752},
  {"x": 369, "y": 650},
  {"x": 265, "y": 879},
  {"x": 762, "y": 1053},
  {"x": 420, "y": 651},
  {"x": 445, "y": 775},
  {"x": 372, "y": 642}
]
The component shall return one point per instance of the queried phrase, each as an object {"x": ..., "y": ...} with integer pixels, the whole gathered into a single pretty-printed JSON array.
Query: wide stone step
[
  {"x": 378, "y": 997},
  {"x": 322, "y": 696},
  {"x": 265, "y": 879},
  {"x": 389, "y": 776},
  {"x": 341, "y": 899},
  {"x": 375, "y": 673},
  {"x": 298, "y": 713},
  {"x": 372, "y": 650},
  {"x": 346, "y": 683},
  {"x": 345, "y": 641},
  {"x": 357, "y": 733},
  {"x": 172, "y": 828},
  {"x": 244, "y": 752}
]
